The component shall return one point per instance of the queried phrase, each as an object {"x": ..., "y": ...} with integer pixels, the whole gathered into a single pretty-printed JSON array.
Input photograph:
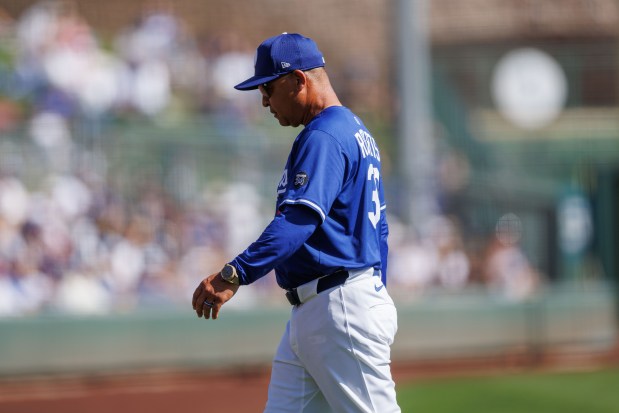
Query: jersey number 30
[{"x": 374, "y": 175}]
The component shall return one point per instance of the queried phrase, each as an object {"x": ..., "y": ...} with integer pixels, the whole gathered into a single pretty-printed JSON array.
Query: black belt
[{"x": 324, "y": 283}]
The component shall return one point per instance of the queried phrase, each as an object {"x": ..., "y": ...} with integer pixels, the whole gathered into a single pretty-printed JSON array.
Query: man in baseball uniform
[{"x": 327, "y": 244}]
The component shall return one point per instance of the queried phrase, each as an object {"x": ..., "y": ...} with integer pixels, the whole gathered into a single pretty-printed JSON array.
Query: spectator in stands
[{"x": 508, "y": 272}]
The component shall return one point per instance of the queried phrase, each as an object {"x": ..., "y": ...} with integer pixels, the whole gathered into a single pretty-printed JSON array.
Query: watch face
[{"x": 227, "y": 273}]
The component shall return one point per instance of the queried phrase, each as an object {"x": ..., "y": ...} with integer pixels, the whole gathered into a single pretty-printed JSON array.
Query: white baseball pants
[{"x": 335, "y": 353}]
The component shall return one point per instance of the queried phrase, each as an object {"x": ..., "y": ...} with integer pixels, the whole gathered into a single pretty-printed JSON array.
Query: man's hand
[{"x": 211, "y": 294}]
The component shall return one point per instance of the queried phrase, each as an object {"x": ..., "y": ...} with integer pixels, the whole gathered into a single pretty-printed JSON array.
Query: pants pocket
[{"x": 383, "y": 322}]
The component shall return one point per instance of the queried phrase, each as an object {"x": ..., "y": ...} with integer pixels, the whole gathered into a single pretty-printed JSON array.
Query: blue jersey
[{"x": 334, "y": 168}]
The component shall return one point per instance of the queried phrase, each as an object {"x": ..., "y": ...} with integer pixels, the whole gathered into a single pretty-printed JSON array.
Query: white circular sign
[{"x": 529, "y": 88}]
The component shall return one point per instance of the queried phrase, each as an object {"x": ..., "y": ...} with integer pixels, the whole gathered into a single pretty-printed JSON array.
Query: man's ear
[{"x": 300, "y": 79}]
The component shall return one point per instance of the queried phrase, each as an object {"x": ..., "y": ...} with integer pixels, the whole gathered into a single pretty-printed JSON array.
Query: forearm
[{"x": 280, "y": 239}]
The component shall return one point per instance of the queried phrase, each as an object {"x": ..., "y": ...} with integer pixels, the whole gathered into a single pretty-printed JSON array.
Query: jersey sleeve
[
  {"x": 315, "y": 174},
  {"x": 280, "y": 239}
]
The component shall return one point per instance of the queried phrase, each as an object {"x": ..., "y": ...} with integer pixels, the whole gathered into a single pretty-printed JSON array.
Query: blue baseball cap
[{"x": 282, "y": 54}]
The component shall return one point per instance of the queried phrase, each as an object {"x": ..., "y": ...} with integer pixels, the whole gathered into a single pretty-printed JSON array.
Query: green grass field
[{"x": 576, "y": 392}]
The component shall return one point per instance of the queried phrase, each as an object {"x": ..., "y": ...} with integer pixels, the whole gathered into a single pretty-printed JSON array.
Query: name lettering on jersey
[
  {"x": 367, "y": 144},
  {"x": 283, "y": 183}
]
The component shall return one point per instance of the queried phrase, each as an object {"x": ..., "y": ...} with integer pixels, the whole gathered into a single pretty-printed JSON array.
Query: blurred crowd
[
  {"x": 70, "y": 242},
  {"x": 54, "y": 64},
  {"x": 442, "y": 261},
  {"x": 75, "y": 246}
]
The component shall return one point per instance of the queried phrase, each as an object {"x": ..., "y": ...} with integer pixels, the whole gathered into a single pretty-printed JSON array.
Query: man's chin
[{"x": 285, "y": 122}]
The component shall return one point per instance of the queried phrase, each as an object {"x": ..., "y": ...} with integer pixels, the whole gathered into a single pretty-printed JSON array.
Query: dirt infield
[
  {"x": 152, "y": 392},
  {"x": 238, "y": 391}
]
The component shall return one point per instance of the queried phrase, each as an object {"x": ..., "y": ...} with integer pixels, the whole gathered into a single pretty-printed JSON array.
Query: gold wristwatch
[{"x": 228, "y": 273}]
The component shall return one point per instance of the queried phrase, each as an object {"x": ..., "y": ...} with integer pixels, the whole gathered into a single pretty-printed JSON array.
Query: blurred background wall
[{"x": 130, "y": 168}]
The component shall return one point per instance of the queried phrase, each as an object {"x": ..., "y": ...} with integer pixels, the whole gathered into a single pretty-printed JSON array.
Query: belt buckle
[{"x": 293, "y": 297}]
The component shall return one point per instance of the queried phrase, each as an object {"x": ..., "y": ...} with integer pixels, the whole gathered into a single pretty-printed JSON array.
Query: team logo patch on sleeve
[{"x": 300, "y": 179}]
